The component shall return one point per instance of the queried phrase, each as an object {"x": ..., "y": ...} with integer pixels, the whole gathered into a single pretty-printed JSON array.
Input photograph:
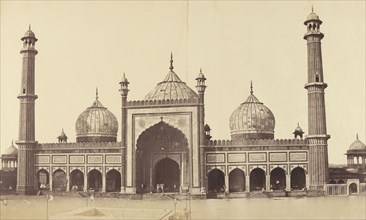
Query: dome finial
[
  {"x": 357, "y": 136},
  {"x": 29, "y": 27},
  {"x": 312, "y": 8},
  {"x": 251, "y": 87},
  {"x": 171, "y": 61},
  {"x": 96, "y": 93}
]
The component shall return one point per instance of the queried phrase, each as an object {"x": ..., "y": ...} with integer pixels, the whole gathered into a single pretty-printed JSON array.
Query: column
[
  {"x": 307, "y": 181},
  {"x": 247, "y": 183},
  {"x": 68, "y": 180},
  {"x": 181, "y": 173},
  {"x": 288, "y": 182},
  {"x": 122, "y": 187},
  {"x": 103, "y": 182},
  {"x": 50, "y": 180},
  {"x": 268, "y": 182},
  {"x": 227, "y": 184},
  {"x": 85, "y": 181}
]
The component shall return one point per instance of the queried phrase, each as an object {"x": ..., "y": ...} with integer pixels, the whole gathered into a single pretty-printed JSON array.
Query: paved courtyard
[{"x": 35, "y": 207}]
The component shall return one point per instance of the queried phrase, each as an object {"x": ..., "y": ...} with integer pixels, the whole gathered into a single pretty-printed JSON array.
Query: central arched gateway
[
  {"x": 161, "y": 158},
  {"x": 167, "y": 175}
]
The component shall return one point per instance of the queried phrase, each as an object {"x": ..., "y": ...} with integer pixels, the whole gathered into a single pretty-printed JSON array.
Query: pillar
[
  {"x": 85, "y": 181},
  {"x": 104, "y": 181},
  {"x": 50, "y": 180},
  {"x": 307, "y": 181},
  {"x": 247, "y": 183},
  {"x": 288, "y": 182},
  {"x": 68, "y": 181},
  {"x": 268, "y": 182},
  {"x": 227, "y": 184}
]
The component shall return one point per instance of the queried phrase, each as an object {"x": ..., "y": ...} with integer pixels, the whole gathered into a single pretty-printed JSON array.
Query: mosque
[{"x": 166, "y": 145}]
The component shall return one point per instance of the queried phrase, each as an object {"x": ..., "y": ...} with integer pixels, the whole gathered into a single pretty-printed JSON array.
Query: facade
[{"x": 166, "y": 145}]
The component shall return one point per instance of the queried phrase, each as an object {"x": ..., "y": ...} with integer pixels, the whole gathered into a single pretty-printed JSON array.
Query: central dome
[
  {"x": 252, "y": 120},
  {"x": 96, "y": 124},
  {"x": 172, "y": 88}
]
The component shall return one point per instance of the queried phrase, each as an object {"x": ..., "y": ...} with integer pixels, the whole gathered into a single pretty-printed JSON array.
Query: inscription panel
[
  {"x": 257, "y": 157},
  {"x": 59, "y": 159},
  {"x": 215, "y": 158},
  {"x": 113, "y": 159},
  {"x": 95, "y": 159},
  {"x": 236, "y": 158},
  {"x": 42, "y": 159},
  {"x": 77, "y": 159},
  {"x": 278, "y": 157},
  {"x": 298, "y": 156}
]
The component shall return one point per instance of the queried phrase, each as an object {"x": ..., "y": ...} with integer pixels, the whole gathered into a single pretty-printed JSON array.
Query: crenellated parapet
[
  {"x": 159, "y": 103},
  {"x": 84, "y": 145},
  {"x": 254, "y": 142}
]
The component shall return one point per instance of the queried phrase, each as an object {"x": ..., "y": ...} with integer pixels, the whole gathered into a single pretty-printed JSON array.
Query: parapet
[{"x": 169, "y": 102}]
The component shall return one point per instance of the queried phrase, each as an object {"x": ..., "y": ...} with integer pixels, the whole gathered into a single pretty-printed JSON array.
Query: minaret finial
[
  {"x": 298, "y": 124},
  {"x": 12, "y": 142},
  {"x": 357, "y": 136},
  {"x": 171, "y": 61},
  {"x": 201, "y": 70},
  {"x": 251, "y": 87},
  {"x": 312, "y": 8},
  {"x": 96, "y": 93},
  {"x": 29, "y": 27}
]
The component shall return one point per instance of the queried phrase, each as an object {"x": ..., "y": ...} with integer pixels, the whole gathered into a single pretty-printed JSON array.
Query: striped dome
[
  {"x": 252, "y": 120},
  {"x": 96, "y": 124},
  {"x": 171, "y": 88}
]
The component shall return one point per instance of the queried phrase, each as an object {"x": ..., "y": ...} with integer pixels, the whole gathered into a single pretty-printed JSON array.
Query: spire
[
  {"x": 96, "y": 93},
  {"x": 251, "y": 87},
  {"x": 171, "y": 61}
]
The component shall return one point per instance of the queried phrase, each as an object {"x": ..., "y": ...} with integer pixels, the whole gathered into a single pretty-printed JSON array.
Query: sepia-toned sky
[{"x": 88, "y": 44}]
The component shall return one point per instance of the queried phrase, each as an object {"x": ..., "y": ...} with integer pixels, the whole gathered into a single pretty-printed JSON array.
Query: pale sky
[{"x": 88, "y": 44}]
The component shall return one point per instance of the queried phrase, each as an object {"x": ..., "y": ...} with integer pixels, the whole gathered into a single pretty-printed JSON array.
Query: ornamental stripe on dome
[
  {"x": 252, "y": 117},
  {"x": 171, "y": 88},
  {"x": 96, "y": 124}
]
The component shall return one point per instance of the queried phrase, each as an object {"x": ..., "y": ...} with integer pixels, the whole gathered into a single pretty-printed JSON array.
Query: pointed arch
[
  {"x": 113, "y": 181},
  {"x": 76, "y": 180},
  {"x": 257, "y": 179},
  {"x": 237, "y": 180},
  {"x": 278, "y": 178},
  {"x": 59, "y": 180},
  {"x": 161, "y": 136},
  {"x": 216, "y": 181},
  {"x": 42, "y": 179},
  {"x": 298, "y": 178},
  {"x": 94, "y": 180}
]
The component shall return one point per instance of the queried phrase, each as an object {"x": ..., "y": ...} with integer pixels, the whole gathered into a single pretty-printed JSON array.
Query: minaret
[
  {"x": 124, "y": 92},
  {"x": 26, "y": 142},
  {"x": 201, "y": 87},
  {"x": 317, "y": 134}
]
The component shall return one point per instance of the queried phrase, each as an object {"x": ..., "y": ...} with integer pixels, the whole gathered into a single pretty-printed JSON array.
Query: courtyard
[{"x": 37, "y": 207}]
